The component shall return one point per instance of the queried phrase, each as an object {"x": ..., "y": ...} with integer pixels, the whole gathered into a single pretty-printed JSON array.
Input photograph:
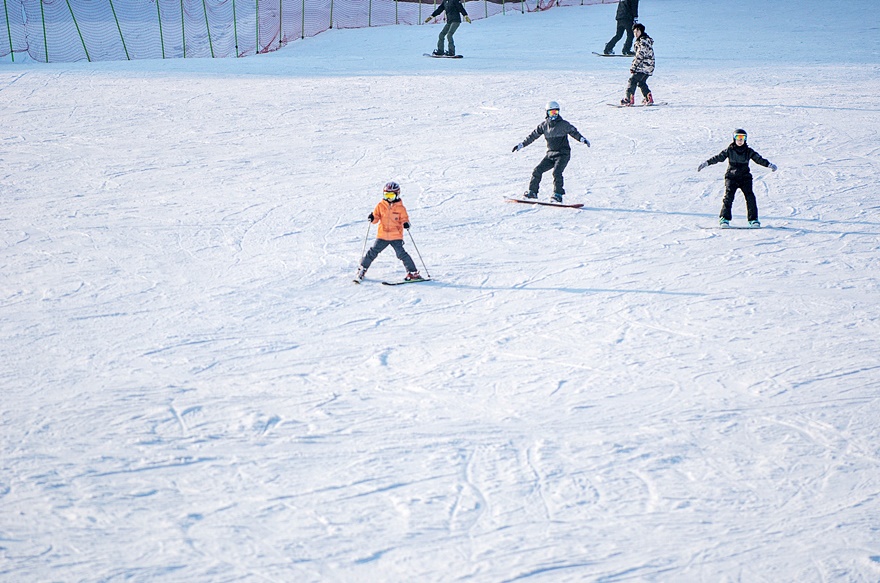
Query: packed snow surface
[{"x": 194, "y": 390}]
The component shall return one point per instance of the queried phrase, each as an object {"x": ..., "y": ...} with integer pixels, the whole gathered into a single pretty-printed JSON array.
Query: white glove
[
  {"x": 701, "y": 166},
  {"x": 585, "y": 141},
  {"x": 773, "y": 167}
]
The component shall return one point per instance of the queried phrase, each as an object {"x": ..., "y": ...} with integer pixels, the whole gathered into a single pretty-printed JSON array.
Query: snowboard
[
  {"x": 406, "y": 281},
  {"x": 443, "y": 56},
  {"x": 543, "y": 203},
  {"x": 612, "y": 55},
  {"x": 655, "y": 104},
  {"x": 733, "y": 227}
]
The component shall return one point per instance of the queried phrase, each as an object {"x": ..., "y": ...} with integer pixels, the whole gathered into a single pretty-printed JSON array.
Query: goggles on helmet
[
  {"x": 552, "y": 112},
  {"x": 389, "y": 195},
  {"x": 737, "y": 136}
]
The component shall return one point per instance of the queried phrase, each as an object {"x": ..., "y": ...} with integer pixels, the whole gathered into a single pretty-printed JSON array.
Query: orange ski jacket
[{"x": 390, "y": 216}]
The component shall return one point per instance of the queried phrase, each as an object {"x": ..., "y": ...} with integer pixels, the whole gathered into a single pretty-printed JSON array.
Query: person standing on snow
[
  {"x": 556, "y": 131},
  {"x": 454, "y": 11},
  {"x": 738, "y": 176},
  {"x": 627, "y": 14},
  {"x": 642, "y": 67},
  {"x": 393, "y": 219}
]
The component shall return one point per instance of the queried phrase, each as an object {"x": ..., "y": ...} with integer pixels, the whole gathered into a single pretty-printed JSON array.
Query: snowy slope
[{"x": 193, "y": 389}]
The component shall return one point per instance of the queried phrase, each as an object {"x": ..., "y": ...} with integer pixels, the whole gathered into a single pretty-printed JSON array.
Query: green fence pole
[
  {"x": 161, "y": 36},
  {"x": 208, "y": 27},
  {"x": 234, "y": 28},
  {"x": 76, "y": 24},
  {"x": 303, "y": 33},
  {"x": 280, "y": 22},
  {"x": 257, "y": 49},
  {"x": 119, "y": 28},
  {"x": 183, "y": 28},
  {"x": 9, "y": 31},
  {"x": 45, "y": 36},
  {"x": 370, "y": 15},
  {"x": 396, "y": 18},
  {"x": 331, "y": 13}
]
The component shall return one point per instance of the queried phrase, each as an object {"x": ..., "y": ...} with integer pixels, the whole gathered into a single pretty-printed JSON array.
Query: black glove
[
  {"x": 518, "y": 147},
  {"x": 406, "y": 225},
  {"x": 371, "y": 217}
]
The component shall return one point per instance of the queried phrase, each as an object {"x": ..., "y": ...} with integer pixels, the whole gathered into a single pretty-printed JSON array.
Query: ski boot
[
  {"x": 557, "y": 197},
  {"x": 413, "y": 276},
  {"x": 530, "y": 194},
  {"x": 648, "y": 100},
  {"x": 628, "y": 53},
  {"x": 450, "y": 53},
  {"x": 362, "y": 271},
  {"x": 628, "y": 100},
  {"x": 724, "y": 223},
  {"x": 756, "y": 224}
]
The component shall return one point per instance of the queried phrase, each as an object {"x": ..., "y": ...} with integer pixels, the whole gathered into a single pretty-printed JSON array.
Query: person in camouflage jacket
[{"x": 642, "y": 67}]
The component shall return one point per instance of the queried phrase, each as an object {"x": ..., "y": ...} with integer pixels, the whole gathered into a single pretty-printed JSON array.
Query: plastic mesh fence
[{"x": 104, "y": 30}]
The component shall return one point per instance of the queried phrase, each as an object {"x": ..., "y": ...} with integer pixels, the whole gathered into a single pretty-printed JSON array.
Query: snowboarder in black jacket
[
  {"x": 556, "y": 130},
  {"x": 738, "y": 176},
  {"x": 454, "y": 11},
  {"x": 627, "y": 14}
]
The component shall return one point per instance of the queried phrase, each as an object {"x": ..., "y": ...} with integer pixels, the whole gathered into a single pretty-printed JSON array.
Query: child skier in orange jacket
[{"x": 393, "y": 219}]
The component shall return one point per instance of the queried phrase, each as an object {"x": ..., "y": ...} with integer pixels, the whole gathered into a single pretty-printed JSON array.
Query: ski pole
[
  {"x": 366, "y": 237},
  {"x": 416, "y": 247}
]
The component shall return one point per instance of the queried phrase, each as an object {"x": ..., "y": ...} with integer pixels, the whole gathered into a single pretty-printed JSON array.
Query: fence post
[
  {"x": 182, "y": 28},
  {"x": 161, "y": 36},
  {"x": 9, "y": 31},
  {"x": 370, "y": 15},
  {"x": 208, "y": 28},
  {"x": 303, "y": 25},
  {"x": 257, "y": 48},
  {"x": 45, "y": 36},
  {"x": 76, "y": 24},
  {"x": 331, "y": 13},
  {"x": 235, "y": 29},
  {"x": 119, "y": 28},
  {"x": 280, "y": 22}
]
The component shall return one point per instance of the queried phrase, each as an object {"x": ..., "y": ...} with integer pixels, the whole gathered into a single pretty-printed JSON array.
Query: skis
[
  {"x": 443, "y": 56},
  {"x": 406, "y": 281},
  {"x": 542, "y": 203},
  {"x": 611, "y": 55},
  {"x": 358, "y": 281}
]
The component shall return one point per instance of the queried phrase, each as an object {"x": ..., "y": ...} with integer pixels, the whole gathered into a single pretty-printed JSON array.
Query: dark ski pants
[
  {"x": 744, "y": 183},
  {"x": 639, "y": 80},
  {"x": 556, "y": 160},
  {"x": 447, "y": 33},
  {"x": 623, "y": 26},
  {"x": 380, "y": 245}
]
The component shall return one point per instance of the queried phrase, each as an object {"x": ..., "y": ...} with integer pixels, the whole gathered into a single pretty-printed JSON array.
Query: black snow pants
[
  {"x": 639, "y": 80},
  {"x": 623, "y": 26},
  {"x": 744, "y": 183},
  {"x": 380, "y": 246},
  {"x": 557, "y": 160}
]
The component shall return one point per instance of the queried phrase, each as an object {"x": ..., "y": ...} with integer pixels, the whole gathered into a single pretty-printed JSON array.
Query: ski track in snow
[{"x": 193, "y": 389}]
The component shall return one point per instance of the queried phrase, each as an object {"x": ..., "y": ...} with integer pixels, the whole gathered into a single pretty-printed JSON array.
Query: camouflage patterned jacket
[{"x": 643, "y": 62}]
